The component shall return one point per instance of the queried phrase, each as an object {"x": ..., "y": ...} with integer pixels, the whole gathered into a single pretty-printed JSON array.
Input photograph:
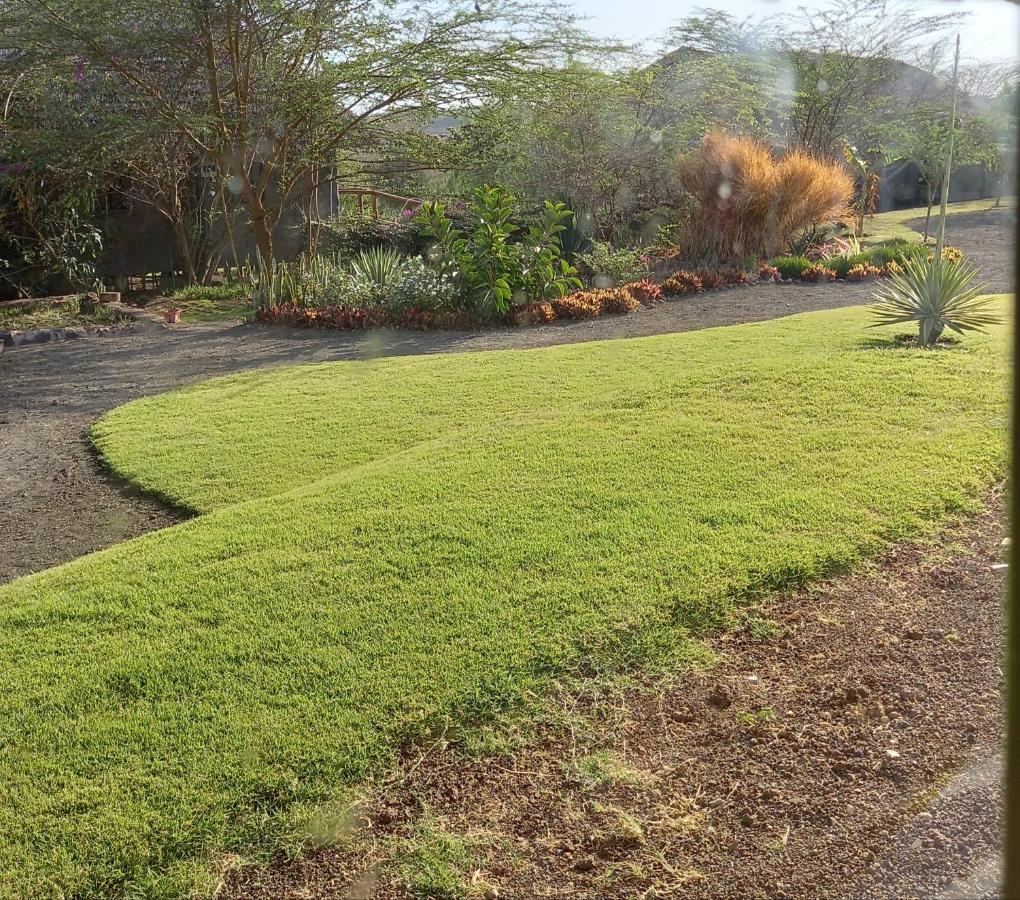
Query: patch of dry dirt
[{"x": 815, "y": 762}]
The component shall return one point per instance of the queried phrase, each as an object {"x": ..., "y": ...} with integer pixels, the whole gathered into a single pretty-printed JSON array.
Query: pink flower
[{"x": 79, "y": 69}]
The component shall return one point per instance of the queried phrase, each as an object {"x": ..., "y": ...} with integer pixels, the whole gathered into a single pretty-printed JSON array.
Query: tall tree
[{"x": 279, "y": 89}]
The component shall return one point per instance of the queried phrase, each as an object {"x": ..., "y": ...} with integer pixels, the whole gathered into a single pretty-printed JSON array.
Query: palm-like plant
[
  {"x": 936, "y": 295},
  {"x": 381, "y": 266}
]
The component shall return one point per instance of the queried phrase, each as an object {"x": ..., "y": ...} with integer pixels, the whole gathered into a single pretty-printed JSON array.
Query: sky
[{"x": 991, "y": 32}]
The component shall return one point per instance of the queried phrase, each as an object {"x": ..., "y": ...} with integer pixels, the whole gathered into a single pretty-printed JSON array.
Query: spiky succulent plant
[{"x": 936, "y": 296}]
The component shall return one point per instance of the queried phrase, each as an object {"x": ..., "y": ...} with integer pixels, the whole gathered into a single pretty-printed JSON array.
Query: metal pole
[
  {"x": 1011, "y": 836},
  {"x": 940, "y": 243}
]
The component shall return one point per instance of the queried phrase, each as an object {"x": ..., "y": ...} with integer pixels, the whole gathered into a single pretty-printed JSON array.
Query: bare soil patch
[{"x": 815, "y": 760}]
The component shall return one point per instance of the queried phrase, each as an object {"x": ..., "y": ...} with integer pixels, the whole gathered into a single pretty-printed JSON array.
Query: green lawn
[
  {"x": 385, "y": 544},
  {"x": 62, "y": 315},
  {"x": 888, "y": 225}
]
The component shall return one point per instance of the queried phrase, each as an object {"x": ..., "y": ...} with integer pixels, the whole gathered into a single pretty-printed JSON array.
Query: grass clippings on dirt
[
  {"x": 391, "y": 547},
  {"x": 802, "y": 765}
]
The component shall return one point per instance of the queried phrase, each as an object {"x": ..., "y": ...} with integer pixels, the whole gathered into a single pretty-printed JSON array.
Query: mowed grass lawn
[{"x": 384, "y": 545}]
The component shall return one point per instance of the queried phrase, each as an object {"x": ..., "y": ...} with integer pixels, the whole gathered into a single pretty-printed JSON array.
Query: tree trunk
[
  {"x": 184, "y": 249},
  {"x": 263, "y": 240},
  {"x": 927, "y": 218}
]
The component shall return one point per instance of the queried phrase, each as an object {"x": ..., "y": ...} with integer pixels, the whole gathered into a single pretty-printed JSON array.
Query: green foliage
[
  {"x": 488, "y": 267},
  {"x": 436, "y": 863},
  {"x": 546, "y": 275},
  {"x": 310, "y": 281},
  {"x": 846, "y": 261},
  {"x": 936, "y": 295},
  {"x": 608, "y": 267},
  {"x": 423, "y": 287},
  {"x": 791, "y": 266},
  {"x": 217, "y": 293},
  {"x": 898, "y": 250},
  {"x": 379, "y": 266},
  {"x": 64, "y": 315},
  {"x": 346, "y": 236},
  {"x": 49, "y": 241}
]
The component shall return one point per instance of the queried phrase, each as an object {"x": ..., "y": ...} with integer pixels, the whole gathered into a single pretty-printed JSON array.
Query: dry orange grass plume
[{"x": 748, "y": 202}]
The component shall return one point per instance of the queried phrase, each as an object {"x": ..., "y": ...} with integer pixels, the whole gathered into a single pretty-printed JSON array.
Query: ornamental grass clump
[
  {"x": 749, "y": 202},
  {"x": 935, "y": 296}
]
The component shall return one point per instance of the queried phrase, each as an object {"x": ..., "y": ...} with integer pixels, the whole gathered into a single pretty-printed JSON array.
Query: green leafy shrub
[
  {"x": 898, "y": 251},
  {"x": 605, "y": 267},
  {"x": 486, "y": 265},
  {"x": 843, "y": 263},
  {"x": 348, "y": 235},
  {"x": 212, "y": 293},
  {"x": 791, "y": 267},
  {"x": 936, "y": 297},
  {"x": 422, "y": 287}
]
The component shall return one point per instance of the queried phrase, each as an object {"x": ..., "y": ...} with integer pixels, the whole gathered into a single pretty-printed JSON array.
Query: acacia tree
[
  {"x": 847, "y": 63},
  {"x": 279, "y": 89},
  {"x": 923, "y": 138}
]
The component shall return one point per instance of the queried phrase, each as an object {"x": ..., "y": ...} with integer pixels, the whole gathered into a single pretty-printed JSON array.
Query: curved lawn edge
[{"x": 236, "y": 672}]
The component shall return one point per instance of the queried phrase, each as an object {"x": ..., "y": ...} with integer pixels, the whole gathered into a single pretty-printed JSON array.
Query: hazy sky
[{"x": 992, "y": 30}]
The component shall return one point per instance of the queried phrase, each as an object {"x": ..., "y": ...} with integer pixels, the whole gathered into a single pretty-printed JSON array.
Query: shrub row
[
  {"x": 580, "y": 305},
  {"x": 350, "y": 318}
]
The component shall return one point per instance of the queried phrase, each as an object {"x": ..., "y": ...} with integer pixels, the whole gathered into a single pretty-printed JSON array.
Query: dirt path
[{"x": 815, "y": 761}]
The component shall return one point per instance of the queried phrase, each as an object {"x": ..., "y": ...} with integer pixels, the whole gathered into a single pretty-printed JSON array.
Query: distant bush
[
  {"x": 711, "y": 280},
  {"x": 790, "y": 267},
  {"x": 749, "y": 203},
  {"x": 213, "y": 293},
  {"x": 683, "y": 282},
  {"x": 646, "y": 291},
  {"x": 605, "y": 267},
  {"x": 589, "y": 304},
  {"x": 862, "y": 272},
  {"x": 818, "y": 272}
]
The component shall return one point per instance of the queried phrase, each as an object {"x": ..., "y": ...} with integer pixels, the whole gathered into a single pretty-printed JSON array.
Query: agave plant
[
  {"x": 936, "y": 296},
  {"x": 381, "y": 266}
]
